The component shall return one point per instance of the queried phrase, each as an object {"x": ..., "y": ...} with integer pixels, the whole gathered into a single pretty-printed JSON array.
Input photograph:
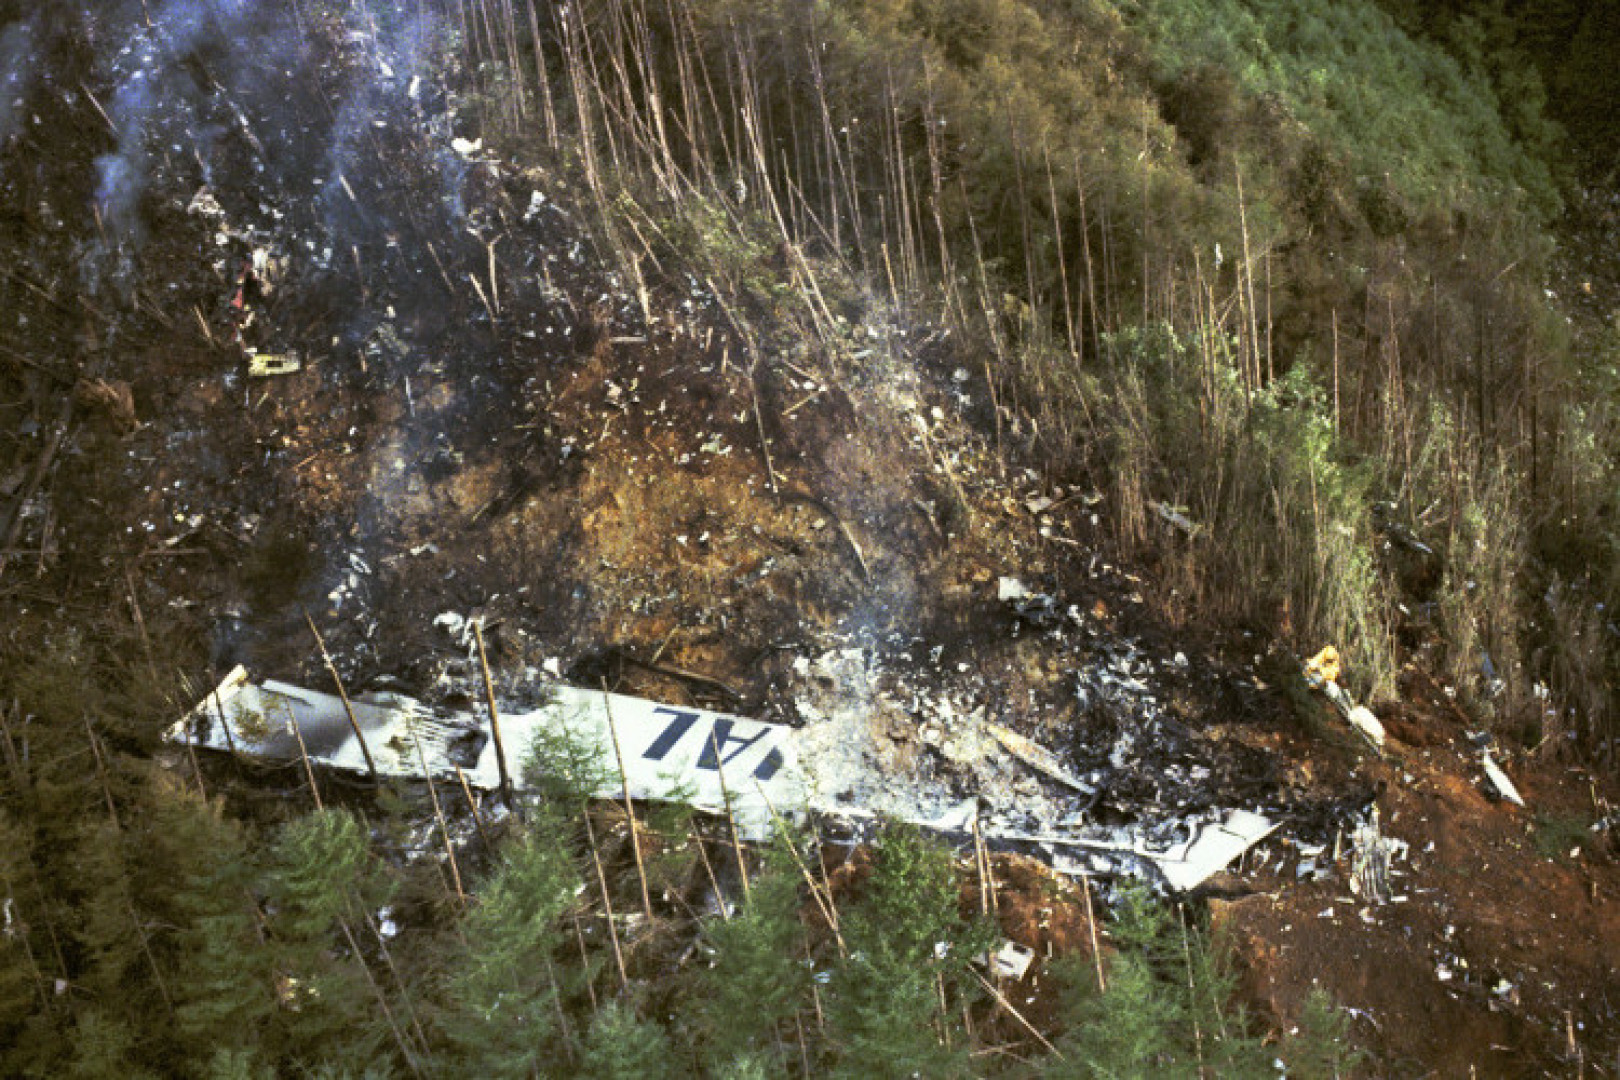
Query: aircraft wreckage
[{"x": 716, "y": 762}]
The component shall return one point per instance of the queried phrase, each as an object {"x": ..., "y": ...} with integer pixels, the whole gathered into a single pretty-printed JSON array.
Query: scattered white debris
[
  {"x": 266, "y": 365},
  {"x": 1011, "y": 961},
  {"x": 204, "y": 204},
  {"x": 537, "y": 203},
  {"x": 1010, "y": 588},
  {"x": 1176, "y": 517},
  {"x": 1212, "y": 850},
  {"x": 455, "y": 624},
  {"x": 1499, "y": 780},
  {"x": 1368, "y": 724}
]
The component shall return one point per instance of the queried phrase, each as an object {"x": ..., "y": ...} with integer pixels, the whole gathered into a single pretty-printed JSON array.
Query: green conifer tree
[
  {"x": 1320, "y": 1049},
  {"x": 104, "y": 921},
  {"x": 223, "y": 974},
  {"x": 228, "y": 1064},
  {"x": 1137, "y": 1029},
  {"x": 758, "y": 980},
  {"x": 622, "y": 1046},
  {"x": 22, "y": 981},
  {"x": 500, "y": 1010},
  {"x": 323, "y": 877},
  {"x": 103, "y": 1048},
  {"x": 907, "y": 942}
]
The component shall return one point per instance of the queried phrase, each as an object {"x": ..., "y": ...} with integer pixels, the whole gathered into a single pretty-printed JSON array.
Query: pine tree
[
  {"x": 323, "y": 879},
  {"x": 501, "y": 1000},
  {"x": 1229, "y": 1045},
  {"x": 104, "y": 923},
  {"x": 622, "y": 1046},
  {"x": 758, "y": 980},
  {"x": 1167, "y": 1011},
  {"x": 224, "y": 981},
  {"x": 104, "y": 1048},
  {"x": 1137, "y": 1029},
  {"x": 35, "y": 1017},
  {"x": 1140, "y": 1026},
  {"x": 1320, "y": 1048},
  {"x": 907, "y": 945},
  {"x": 22, "y": 981},
  {"x": 228, "y": 1064}
]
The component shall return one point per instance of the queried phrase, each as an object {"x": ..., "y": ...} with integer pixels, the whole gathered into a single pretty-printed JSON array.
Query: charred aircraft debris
[
  {"x": 1143, "y": 807},
  {"x": 388, "y": 202}
]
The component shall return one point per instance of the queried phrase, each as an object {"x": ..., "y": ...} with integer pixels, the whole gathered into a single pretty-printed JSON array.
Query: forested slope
[{"x": 703, "y": 348}]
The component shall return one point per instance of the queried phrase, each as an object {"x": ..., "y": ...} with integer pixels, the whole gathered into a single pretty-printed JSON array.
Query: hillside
[{"x": 898, "y": 373}]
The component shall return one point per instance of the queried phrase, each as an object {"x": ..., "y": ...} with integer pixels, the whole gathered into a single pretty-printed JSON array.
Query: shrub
[
  {"x": 758, "y": 979},
  {"x": 621, "y": 1046},
  {"x": 1320, "y": 1048},
  {"x": 1167, "y": 1008},
  {"x": 1350, "y": 74},
  {"x": 887, "y": 1005},
  {"x": 1284, "y": 525},
  {"x": 503, "y": 995}
]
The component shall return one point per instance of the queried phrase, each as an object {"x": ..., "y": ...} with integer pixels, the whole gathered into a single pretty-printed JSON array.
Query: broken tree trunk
[
  {"x": 495, "y": 721},
  {"x": 348, "y": 709}
]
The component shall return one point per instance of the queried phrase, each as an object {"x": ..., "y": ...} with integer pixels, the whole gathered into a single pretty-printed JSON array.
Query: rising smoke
[
  {"x": 17, "y": 58},
  {"x": 199, "y": 84}
]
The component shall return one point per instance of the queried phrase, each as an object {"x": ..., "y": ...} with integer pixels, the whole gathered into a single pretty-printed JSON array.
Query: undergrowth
[{"x": 1277, "y": 263}]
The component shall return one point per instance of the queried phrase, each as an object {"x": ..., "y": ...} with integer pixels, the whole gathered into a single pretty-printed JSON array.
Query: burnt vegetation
[{"x": 1332, "y": 283}]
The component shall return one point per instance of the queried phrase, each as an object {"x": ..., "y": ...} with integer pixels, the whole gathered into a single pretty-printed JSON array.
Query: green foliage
[
  {"x": 1551, "y": 53},
  {"x": 1136, "y": 1029},
  {"x": 322, "y": 880},
  {"x": 747, "y": 1067},
  {"x": 910, "y": 904},
  {"x": 1283, "y": 515},
  {"x": 564, "y": 767},
  {"x": 1350, "y": 75},
  {"x": 1142, "y": 925},
  {"x": 1575, "y": 571},
  {"x": 324, "y": 873},
  {"x": 621, "y": 1046},
  {"x": 1557, "y": 835},
  {"x": 1320, "y": 1049},
  {"x": 1105, "y": 167},
  {"x": 226, "y": 1064},
  {"x": 1228, "y": 1041},
  {"x": 105, "y": 928},
  {"x": 1081, "y": 159},
  {"x": 21, "y": 980},
  {"x": 103, "y": 1048},
  {"x": 1479, "y": 598},
  {"x": 758, "y": 980},
  {"x": 224, "y": 984},
  {"x": 502, "y": 996},
  {"x": 1168, "y": 1007},
  {"x": 909, "y": 949}
]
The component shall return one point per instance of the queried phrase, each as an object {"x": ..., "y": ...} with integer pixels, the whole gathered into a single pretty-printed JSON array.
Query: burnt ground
[{"x": 488, "y": 417}]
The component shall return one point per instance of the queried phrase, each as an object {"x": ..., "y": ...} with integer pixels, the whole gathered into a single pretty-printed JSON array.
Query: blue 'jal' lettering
[
  {"x": 671, "y": 734},
  {"x": 731, "y": 746},
  {"x": 768, "y": 767}
]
